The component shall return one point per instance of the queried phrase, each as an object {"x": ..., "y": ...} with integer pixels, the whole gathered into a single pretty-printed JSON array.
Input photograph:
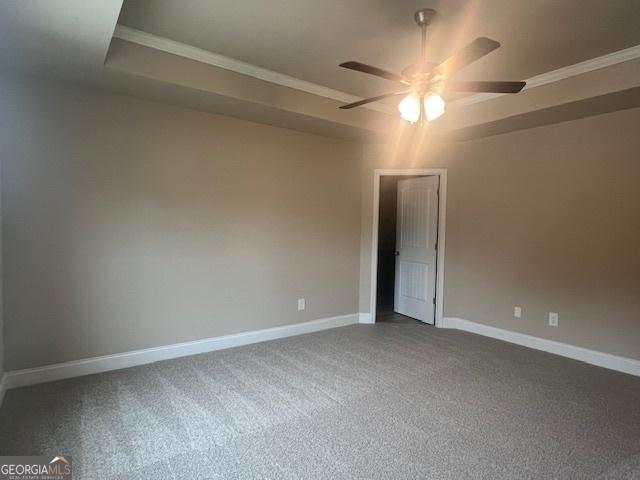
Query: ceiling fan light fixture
[
  {"x": 425, "y": 80},
  {"x": 433, "y": 106},
  {"x": 409, "y": 108}
]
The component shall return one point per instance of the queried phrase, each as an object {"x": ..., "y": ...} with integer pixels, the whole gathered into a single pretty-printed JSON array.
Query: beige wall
[
  {"x": 1, "y": 286},
  {"x": 131, "y": 224},
  {"x": 547, "y": 219}
]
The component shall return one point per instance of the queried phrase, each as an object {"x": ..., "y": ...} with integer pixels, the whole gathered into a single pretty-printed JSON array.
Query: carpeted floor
[
  {"x": 359, "y": 402},
  {"x": 389, "y": 316}
]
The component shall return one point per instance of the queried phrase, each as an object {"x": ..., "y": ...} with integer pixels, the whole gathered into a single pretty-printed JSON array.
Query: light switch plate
[
  {"x": 553, "y": 319},
  {"x": 517, "y": 312},
  {"x": 302, "y": 304}
]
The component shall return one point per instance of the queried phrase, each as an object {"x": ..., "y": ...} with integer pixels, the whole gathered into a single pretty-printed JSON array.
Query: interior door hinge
[{"x": 434, "y": 300}]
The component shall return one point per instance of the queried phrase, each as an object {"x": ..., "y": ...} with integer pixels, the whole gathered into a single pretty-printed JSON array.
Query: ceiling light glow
[
  {"x": 433, "y": 106},
  {"x": 409, "y": 108}
]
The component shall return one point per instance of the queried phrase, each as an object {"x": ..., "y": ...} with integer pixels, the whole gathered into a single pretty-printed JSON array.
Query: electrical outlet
[
  {"x": 517, "y": 312},
  {"x": 302, "y": 304},
  {"x": 553, "y": 319}
]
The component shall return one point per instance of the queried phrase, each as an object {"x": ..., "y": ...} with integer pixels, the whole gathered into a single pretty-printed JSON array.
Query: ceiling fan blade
[
  {"x": 469, "y": 54},
  {"x": 373, "y": 99},
  {"x": 371, "y": 70},
  {"x": 492, "y": 87}
]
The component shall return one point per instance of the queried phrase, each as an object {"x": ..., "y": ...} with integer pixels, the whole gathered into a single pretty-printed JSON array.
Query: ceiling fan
[{"x": 425, "y": 82}]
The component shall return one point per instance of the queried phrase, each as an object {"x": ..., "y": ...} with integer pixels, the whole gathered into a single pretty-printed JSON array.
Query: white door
[{"x": 416, "y": 238}]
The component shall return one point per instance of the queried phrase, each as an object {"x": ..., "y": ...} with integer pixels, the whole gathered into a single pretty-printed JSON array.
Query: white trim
[
  {"x": 365, "y": 318},
  {"x": 3, "y": 387},
  {"x": 631, "y": 53},
  {"x": 449, "y": 322},
  {"x": 88, "y": 366},
  {"x": 442, "y": 221},
  {"x": 205, "y": 56},
  {"x": 187, "y": 51},
  {"x": 594, "y": 357}
]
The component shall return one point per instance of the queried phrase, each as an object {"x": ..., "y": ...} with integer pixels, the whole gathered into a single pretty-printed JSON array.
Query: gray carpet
[
  {"x": 359, "y": 402},
  {"x": 393, "y": 317}
]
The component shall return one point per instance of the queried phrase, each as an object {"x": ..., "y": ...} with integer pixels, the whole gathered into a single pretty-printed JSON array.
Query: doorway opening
[{"x": 408, "y": 247}]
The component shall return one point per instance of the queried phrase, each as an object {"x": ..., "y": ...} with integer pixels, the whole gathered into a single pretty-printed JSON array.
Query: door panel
[{"x": 416, "y": 238}]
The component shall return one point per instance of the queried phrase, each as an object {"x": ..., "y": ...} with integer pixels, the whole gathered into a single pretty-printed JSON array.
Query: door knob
[{"x": 396, "y": 253}]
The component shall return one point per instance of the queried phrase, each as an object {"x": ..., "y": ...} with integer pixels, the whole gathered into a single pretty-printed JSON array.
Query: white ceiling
[
  {"x": 307, "y": 39},
  {"x": 61, "y": 37}
]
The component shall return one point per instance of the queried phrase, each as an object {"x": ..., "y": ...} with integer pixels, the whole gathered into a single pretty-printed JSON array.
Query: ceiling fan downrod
[{"x": 423, "y": 18}]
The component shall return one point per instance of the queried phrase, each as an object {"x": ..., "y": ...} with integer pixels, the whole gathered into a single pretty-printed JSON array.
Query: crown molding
[
  {"x": 204, "y": 56},
  {"x": 187, "y": 51},
  {"x": 631, "y": 53}
]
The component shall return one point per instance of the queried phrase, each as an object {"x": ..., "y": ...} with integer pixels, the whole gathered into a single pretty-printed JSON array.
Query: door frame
[{"x": 442, "y": 217}]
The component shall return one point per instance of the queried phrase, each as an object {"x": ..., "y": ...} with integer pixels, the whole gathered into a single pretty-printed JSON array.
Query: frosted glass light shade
[
  {"x": 409, "y": 108},
  {"x": 433, "y": 106}
]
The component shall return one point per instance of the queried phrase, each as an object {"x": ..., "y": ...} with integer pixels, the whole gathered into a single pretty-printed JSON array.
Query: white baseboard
[
  {"x": 450, "y": 322},
  {"x": 87, "y": 366},
  {"x": 601, "y": 359}
]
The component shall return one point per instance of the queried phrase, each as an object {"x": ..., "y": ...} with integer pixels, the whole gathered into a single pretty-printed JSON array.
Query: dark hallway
[{"x": 387, "y": 251}]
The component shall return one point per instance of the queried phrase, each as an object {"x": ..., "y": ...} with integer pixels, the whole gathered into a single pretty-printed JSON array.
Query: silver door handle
[{"x": 396, "y": 254}]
